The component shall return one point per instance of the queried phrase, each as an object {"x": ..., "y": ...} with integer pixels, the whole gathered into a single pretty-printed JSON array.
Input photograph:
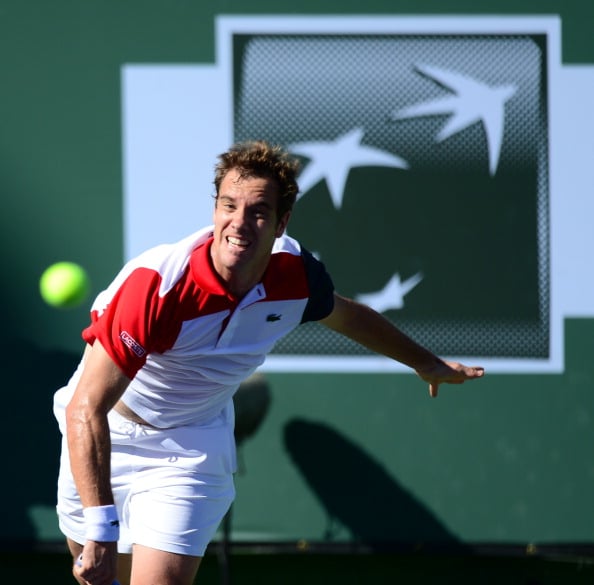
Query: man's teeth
[{"x": 237, "y": 241}]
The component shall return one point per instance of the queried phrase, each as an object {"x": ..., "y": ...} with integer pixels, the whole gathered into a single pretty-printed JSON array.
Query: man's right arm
[{"x": 101, "y": 385}]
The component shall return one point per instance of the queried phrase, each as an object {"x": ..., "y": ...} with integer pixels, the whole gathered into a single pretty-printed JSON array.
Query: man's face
[{"x": 245, "y": 227}]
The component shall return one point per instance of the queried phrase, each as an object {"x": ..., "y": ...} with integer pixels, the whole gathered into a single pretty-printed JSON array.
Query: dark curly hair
[{"x": 258, "y": 158}]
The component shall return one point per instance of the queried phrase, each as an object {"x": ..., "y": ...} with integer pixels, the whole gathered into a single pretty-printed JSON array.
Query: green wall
[{"x": 505, "y": 460}]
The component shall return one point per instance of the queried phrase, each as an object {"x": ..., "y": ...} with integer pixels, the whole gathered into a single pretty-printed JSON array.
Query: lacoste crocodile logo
[{"x": 273, "y": 317}]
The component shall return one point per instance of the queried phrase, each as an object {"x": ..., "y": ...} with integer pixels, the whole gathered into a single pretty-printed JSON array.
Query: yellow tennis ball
[{"x": 64, "y": 284}]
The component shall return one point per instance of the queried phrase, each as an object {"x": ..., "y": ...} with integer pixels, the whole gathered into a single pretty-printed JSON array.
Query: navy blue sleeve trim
[{"x": 321, "y": 289}]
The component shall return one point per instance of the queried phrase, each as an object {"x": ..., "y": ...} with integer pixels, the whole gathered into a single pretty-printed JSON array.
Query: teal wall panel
[{"x": 505, "y": 460}]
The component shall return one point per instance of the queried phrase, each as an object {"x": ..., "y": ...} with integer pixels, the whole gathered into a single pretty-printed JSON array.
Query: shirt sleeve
[
  {"x": 321, "y": 289},
  {"x": 127, "y": 325}
]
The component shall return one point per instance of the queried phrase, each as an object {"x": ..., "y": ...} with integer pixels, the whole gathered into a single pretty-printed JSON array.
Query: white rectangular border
[{"x": 549, "y": 25}]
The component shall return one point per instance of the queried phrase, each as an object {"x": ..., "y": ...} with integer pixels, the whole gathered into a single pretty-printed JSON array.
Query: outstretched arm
[{"x": 367, "y": 327}]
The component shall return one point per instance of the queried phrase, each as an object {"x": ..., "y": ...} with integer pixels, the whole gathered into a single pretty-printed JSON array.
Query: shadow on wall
[
  {"x": 29, "y": 434},
  {"x": 359, "y": 494}
]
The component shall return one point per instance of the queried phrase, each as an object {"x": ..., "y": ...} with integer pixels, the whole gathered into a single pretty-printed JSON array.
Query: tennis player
[{"x": 148, "y": 453}]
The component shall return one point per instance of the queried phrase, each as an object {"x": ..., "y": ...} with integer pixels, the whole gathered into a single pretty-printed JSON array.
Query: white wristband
[{"x": 101, "y": 523}]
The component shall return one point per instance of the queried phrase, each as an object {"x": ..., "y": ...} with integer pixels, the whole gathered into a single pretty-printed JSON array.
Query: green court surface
[{"x": 324, "y": 569}]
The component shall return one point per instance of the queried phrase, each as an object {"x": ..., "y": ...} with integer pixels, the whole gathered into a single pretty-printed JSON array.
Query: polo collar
[{"x": 203, "y": 272}]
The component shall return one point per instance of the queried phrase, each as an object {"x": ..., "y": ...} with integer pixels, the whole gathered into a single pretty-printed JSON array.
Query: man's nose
[{"x": 240, "y": 216}]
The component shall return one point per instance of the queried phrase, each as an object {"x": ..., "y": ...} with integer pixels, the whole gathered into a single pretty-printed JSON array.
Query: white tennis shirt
[{"x": 186, "y": 344}]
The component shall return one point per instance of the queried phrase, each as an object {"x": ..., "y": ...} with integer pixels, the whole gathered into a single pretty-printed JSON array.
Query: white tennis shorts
[{"x": 171, "y": 487}]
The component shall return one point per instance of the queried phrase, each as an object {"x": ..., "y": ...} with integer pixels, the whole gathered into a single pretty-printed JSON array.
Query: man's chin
[{"x": 236, "y": 261}]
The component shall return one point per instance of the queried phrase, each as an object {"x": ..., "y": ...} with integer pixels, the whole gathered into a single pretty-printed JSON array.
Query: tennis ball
[{"x": 64, "y": 284}]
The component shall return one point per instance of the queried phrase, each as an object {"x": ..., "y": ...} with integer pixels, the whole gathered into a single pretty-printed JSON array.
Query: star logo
[
  {"x": 474, "y": 102},
  {"x": 392, "y": 295},
  {"x": 333, "y": 160}
]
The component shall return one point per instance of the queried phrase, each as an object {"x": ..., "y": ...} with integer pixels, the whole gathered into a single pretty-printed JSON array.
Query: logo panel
[
  {"x": 445, "y": 171},
  {"x": 424, "y": 186}
]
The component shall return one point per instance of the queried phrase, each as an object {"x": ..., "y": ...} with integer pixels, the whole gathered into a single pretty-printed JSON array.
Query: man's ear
[{"x": 282, "y": 224}]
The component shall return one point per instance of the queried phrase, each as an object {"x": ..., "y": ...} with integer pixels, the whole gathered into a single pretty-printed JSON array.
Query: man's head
[
  {"x": 260, "y": 159},
  {"x": 256, "y": 189}
]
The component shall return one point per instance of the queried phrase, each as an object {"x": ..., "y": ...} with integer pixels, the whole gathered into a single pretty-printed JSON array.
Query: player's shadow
[
  {"x": 29, "y": 436},
  {"x": 359, "y": 494}
]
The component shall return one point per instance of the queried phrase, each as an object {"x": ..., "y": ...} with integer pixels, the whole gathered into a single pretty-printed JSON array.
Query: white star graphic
[
  {"x": 333, "y": 161},
  {"x": 392, "y": 295},
  {"x": 474, "y": 102}
]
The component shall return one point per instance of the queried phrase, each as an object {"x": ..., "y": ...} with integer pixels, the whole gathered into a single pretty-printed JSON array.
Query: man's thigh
[{"x": 157, "y": 567}]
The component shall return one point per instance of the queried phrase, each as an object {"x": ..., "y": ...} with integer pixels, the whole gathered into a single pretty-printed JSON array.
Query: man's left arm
[{"x": 372, "y": 330}]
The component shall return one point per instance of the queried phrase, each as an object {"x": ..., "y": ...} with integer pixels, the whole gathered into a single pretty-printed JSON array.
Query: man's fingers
[
  {"x": 463, "y": 373},
  {"x": 454, "y": 373},
  {"x": 473, "y": 372}
]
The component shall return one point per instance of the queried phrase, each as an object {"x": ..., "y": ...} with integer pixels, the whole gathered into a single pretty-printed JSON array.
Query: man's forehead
[{"x": 234, "y": 180}]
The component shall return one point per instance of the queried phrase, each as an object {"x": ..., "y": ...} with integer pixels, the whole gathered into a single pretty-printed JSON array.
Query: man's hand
[
  {"x": 448, "y": 373},
  {"x": 97, "y": 563}
]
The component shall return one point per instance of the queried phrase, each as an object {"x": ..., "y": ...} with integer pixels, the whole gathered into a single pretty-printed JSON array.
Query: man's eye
[{"x": 262, "y": 213}]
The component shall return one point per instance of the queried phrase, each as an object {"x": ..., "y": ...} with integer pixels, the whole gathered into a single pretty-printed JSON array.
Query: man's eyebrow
[
  {"x": 260, "y": 203},
  {"x": 263, "y": 203}
]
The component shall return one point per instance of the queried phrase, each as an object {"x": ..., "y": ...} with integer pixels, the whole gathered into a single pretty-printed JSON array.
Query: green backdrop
[{"x": 507, "y": 460}]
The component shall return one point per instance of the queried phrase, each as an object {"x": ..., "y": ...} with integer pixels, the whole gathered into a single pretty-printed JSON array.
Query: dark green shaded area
[{"x": 303, "y": 569}]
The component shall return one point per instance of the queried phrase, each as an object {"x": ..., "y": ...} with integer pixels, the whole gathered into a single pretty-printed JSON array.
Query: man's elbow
[{"x": 79, "y": 414}]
